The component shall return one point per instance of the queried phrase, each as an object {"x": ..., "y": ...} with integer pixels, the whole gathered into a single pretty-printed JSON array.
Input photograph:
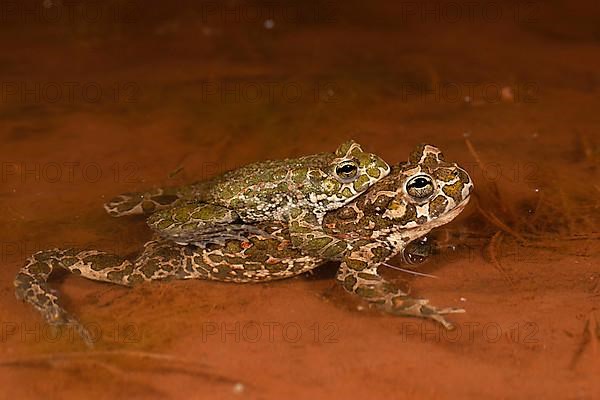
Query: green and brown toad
[
  {"x": 301, "y": 190},
  {"x": 414, "y": 198}
]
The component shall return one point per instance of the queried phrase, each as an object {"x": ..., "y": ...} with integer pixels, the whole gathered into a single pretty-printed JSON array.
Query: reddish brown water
[{"x": 98, "y": 101}]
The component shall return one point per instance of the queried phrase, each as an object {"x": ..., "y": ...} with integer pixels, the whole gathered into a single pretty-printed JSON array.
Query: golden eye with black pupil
[
  {"x": 347, "y": 171},
  {"x": 420, "y": 187}
]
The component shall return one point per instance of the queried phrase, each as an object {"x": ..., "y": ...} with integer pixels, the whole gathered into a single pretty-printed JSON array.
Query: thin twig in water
[
  {"x": 175, "y": 172},
  {"x": 409, "y": 271},
  {"x": 499, "y": 224},
  {"x": 591, "y": 335},
  {"x": 495, "y": 242},
  {"x": 567, "y": 210},
  {"x": 530, "y": 222},
  {"x": 105, "y": 353},
  {"x": 186, "y": 367},
  {"x": 491, "y": 186},
  {"x": 474, "y": 154}
]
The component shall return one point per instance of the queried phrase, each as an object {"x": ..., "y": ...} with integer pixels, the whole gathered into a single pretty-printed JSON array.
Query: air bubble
[
  {"x": 238, "y": 388},
  {"x": 269, "y": 24}
]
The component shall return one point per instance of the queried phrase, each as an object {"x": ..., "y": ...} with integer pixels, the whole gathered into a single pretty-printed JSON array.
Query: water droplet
[
  {"x": 269, "y": 24},
  {"x": 238, "y": 388}
]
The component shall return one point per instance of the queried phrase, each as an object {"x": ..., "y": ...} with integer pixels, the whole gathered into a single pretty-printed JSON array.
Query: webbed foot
[
  {"x": 140, "y": 203},
  {"x": 406, "y": 306}
]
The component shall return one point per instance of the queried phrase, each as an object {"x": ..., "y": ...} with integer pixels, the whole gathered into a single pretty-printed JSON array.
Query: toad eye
[
  {"x": 347, "y": 171},
  {"x": 420, "y": 187}
]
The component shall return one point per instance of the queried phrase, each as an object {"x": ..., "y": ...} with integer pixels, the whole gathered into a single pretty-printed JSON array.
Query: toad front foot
[
  {"x": 141, "y": 203},
  {"x": 358, "y": 275},
  {"x": 406, "y": 306}
]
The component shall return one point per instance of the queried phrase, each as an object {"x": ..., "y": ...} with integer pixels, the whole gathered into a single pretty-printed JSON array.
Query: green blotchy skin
[
  {"x": 298, "y": 190},
  {"x": 372, "y": 229}
]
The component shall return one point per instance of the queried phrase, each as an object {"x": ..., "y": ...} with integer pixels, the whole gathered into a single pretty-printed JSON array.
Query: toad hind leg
[
  {"x": 307, "y": 234},
  {"x": 360, "y": 277},
  {"x": 262, "y": 260},
  {"x": 31, "y": 281}
]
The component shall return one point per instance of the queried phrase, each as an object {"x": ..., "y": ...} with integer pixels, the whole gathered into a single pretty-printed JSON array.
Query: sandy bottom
[{"x": 173, "y": 96}]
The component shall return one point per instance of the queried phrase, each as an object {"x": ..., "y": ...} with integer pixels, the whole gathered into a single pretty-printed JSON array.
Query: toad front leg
[
  {"x": 142, "y": 202},
  {"x": 307, "y": 235},
  {"x": 200, "y": 223},
  {"x": 358, "y": 275}
]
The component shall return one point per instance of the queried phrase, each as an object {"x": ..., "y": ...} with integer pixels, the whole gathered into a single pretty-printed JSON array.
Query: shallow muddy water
[{"x": 100, "y": 100}]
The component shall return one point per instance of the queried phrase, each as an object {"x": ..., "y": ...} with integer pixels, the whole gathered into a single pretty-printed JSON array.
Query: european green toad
[
  {"x": 297, "y": 191},
  {"x": 417, "y": 196}
]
